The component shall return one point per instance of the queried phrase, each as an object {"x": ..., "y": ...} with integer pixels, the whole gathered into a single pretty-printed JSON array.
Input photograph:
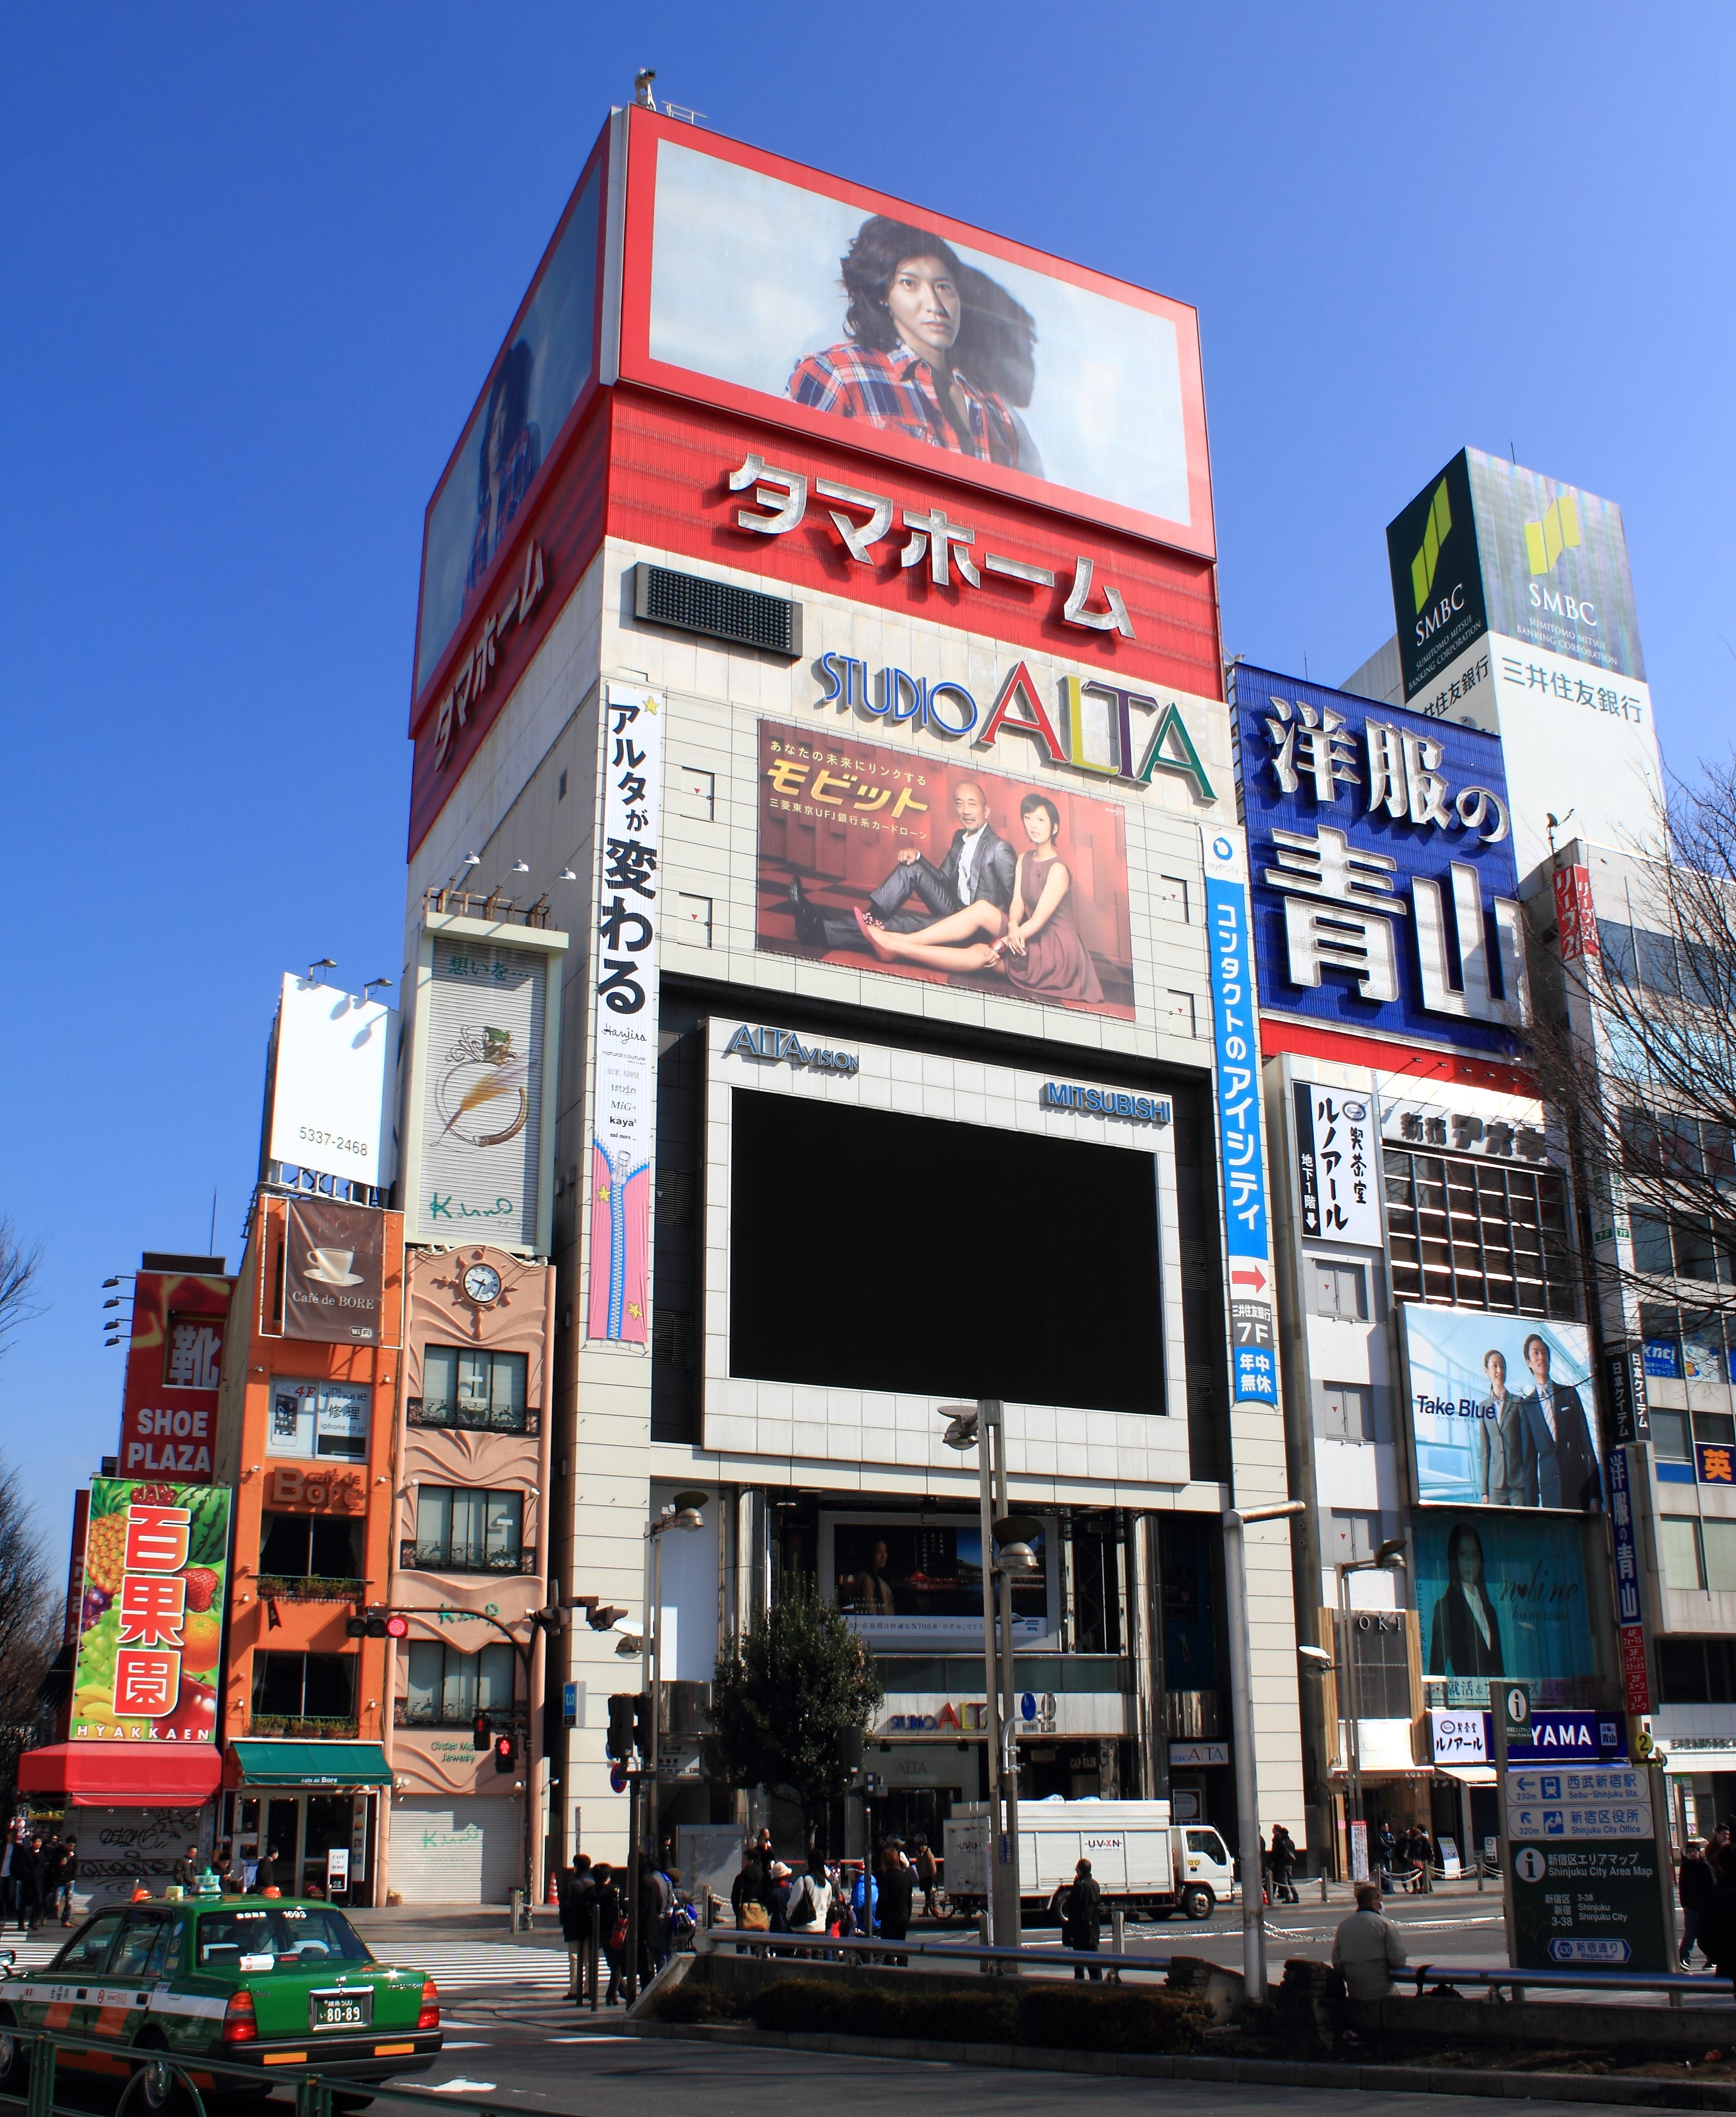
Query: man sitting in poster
[
  {"x": 979, "y": 866},
  {"x": 1561, "y": 1466}
]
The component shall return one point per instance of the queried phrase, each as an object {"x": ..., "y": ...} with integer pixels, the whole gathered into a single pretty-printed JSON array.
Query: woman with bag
[{"x": 612, "y": 1906}]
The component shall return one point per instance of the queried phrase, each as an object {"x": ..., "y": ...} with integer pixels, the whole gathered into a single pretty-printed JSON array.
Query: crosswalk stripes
[
  {"x": 31, "y": 1950},
  {"x": 468, "y": 1965}
]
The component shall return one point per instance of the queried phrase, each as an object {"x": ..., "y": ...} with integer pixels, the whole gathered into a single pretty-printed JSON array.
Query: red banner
[
  {"x": 1575, "y": 920},
  {"x": 1633, "y": 1668},
  {"x": 168, "y": 1413}
]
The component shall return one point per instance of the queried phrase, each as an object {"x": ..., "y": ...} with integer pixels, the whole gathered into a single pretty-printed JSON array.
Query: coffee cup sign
[{"x": 333, "y": 1267}]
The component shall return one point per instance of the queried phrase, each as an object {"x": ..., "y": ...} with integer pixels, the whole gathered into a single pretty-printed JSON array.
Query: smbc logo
[
  {"x": 1558, "y": 532},
  {"x": 1438, "y": 528}
]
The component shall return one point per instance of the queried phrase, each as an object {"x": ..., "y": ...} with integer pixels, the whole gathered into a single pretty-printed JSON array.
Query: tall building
[{"x": 822, "y": 788}]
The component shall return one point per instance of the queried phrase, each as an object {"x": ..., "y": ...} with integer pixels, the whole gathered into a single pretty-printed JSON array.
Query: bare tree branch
[
  {"x": 29, "y": 1634},
  {"x": 19, "y": 1266}
]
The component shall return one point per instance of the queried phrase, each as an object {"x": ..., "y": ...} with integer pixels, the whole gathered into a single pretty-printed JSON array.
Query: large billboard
[
  {"x": 150, "y": 1620},
  {"x": 174, "y": 1364},
  {"x": 765, "y": 287},
  {"x": 911, "y": 1583},
  {"x": 1502, "y": 1410},
  {"x": 1380, "y": 849},
  {"x": 481, "y": 1051},
  {"x": 334, "y": 1272},
  {"x": 909, "y": 864},
  {"x": 538, "y": 378},
  {"x": 333, "y": 1062},
  {"x": 1502, "y": 1595}
]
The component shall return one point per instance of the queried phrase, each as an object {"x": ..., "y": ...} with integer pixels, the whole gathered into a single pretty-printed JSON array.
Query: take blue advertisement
[
  {"x": 1503, "y": 1595},
  {"x": 1380, "y": 849}
]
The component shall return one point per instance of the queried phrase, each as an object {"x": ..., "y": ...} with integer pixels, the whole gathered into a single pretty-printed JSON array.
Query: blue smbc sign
[{"x": 1380, "y": 851}]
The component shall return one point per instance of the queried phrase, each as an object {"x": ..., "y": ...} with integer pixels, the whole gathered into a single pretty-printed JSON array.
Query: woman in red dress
[{"x": 1036, "y": 943}]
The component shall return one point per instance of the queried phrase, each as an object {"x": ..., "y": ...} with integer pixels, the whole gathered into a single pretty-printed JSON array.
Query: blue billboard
[{"x": 1380, "y": 848}]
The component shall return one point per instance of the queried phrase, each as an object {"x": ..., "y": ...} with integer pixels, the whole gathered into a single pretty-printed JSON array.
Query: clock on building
[{"x": 482, "y": 1284}]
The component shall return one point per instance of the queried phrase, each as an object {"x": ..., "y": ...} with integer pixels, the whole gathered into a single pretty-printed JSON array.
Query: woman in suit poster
[{"x": 1465, "y": 1635}]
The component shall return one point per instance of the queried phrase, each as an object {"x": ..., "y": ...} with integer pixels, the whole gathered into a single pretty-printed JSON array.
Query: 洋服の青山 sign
[{"x": 1117, "y": 731}]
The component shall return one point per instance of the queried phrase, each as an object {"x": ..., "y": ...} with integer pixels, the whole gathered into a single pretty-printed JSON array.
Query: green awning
[{"x": 315, "y": 1764}]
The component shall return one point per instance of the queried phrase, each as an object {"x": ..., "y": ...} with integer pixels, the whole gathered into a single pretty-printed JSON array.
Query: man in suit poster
[{"x": 1561, "y": 1464}]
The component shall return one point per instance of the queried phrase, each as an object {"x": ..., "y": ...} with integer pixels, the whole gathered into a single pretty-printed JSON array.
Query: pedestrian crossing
[
  {"x": 479, "y": 1965},
  {"x": 31, "y": 1950}
]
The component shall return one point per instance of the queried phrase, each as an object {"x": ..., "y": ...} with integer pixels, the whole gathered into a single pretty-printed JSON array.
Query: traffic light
[
  {"x": 505, "y": 1753},
  {"x": 642, "y": 1723},
  {"x": 481, "y": 1733},
  {"x": 377, "y": 1625},
  {"x": 620, "y": 1743}
]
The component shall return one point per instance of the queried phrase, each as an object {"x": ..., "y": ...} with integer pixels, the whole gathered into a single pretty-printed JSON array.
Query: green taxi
[{"x": 279, "y": 1984}]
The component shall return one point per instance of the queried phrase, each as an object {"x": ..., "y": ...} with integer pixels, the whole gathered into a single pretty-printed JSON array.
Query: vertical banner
[
  {"x": 1337, "y": 1166},
  {"x": 1235, "y": 1029},
  {"x": 624, "y": 1016},
  {"x": 174, "y": 1362},
  {"x": 1575, "y": 921},
  {"x": 1628, "y": 1613}
]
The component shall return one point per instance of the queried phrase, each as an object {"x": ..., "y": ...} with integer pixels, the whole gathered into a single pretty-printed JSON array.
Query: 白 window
[
  {"x": 321, "y": 1419},
  {"x": 1479, "y": 1235},
  {"x": 304, "y": 1687},
  {"x": 1340, "y": 1289},
  {"x": 463, "y": 1386},
  {"x": 1345, "y": 1411},
  {"x": 1354, "y": 1535},
  {"x": 448, "y": 1687},
  {"x": 1679, "y": 1546},
  {"x": 460, "y": 1530}
]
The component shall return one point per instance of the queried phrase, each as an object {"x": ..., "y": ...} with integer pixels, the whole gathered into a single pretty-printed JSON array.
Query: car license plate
[{"x": 349, "y": 2007}]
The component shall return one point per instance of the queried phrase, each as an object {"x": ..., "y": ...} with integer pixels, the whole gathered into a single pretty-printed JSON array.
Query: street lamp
[
  {"x": 1389, "y": 1558},
  {"x": 1241, "y": 1730}
]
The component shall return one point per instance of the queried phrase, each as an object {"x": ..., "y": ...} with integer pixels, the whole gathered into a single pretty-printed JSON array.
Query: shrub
[
  {"x": 1055, "y": 2017},
  {"x": 691, "y": 2001},
  {"x": 814, "y": 2007}
]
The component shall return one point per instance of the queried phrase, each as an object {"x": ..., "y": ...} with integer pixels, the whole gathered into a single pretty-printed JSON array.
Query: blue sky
[{"x": 258, "y": 261}]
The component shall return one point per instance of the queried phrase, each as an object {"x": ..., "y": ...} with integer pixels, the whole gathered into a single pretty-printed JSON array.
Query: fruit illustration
[
  {"x": 96, "y": 1601},
  {"x": 105, "y": 1552},
  {"x": 195, "y": 1717},
  {"x": 201, "y": 1634},
  {"x": 202, "y": 1585}
]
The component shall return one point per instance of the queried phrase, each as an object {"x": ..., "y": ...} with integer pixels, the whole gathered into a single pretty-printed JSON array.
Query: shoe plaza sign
[{"x": 1381, "y": 850}]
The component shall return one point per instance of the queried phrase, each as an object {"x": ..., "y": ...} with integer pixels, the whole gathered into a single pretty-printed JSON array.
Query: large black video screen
[{"x": 870, "y": 1250}]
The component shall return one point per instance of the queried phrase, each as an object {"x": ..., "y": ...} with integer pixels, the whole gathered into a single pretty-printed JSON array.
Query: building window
[
  {"x": 461, "y": 1530},
  {"x": 1345, "y": 1411},
  {"x": 1718, "y": 1554},
  {"x": 1688, "y": 1247},
  {"x": 295, "y": 1548},
  {"x": 1381, "y": 1641},
  {"x": 1669, "y": 1437},
  {"x": 1340, "y": 1289},
  {"x": 303, "y": 1687},
  {"x": 462, "y": 1386},
  {"x": 1696, "y": 1672},
  {"x": 1479, "y": 1235},
  {"x": 1685, "y": 1344},
  {"x": 1678, "y": 1545},
  {"x": 1354, "y": 1534},
  {"x": 324, "y": 1420},
  {"x": 448, "y": 1687}
]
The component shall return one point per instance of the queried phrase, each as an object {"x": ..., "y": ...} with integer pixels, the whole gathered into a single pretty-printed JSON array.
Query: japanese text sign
[
  {"x": 1337, "y": 1166},
  {"x": 624, "y": 1014},
  {"x": 1380, "y": 847},
  {"x": 151, "y": 1615},
  {"x": 169, "y": 1412},
  {"x": 1630, "y": 1615},
  {"x": 1576, "y": 920}
]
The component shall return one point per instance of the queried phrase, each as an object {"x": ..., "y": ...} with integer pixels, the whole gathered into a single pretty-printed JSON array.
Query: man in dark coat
[
  {"x": 1082, "y": 1917},
  {"x": 980, "y": 866},
  {"x": 897, "y": 1883},
  {"x": 1694, "y": 1888},
  {"x": 1560, "y": 1465},
  {"x": 576, "y": 1894},
  {"x": 27, "y": 1873}
]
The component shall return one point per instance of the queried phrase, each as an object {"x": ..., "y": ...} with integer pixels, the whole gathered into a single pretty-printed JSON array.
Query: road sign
[
  {"x": 1582, "y": 1803},
  {"x": 1597, "y": 1904}
]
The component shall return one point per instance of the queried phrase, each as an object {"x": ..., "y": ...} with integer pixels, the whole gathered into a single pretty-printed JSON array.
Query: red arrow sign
[{"x": 1256, "y": 1279}]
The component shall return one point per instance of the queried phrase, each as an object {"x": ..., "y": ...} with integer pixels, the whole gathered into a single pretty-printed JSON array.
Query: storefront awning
[
  {"x": 124, "y": 1774},
  {"x": 336, "y": 1765},
  {"x": 1467, "y": 1774}
]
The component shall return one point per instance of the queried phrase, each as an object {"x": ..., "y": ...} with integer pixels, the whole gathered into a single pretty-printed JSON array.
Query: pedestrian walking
[
  {"x": 1366, "y": 1948},
  {"x": 1082, "y": 1918},
  {"x": 574, "y": 1897},
  {"x": 265, "y": 1874},
  {"x": 656, "y": 1903},
  {"x": 1283, "y": 1857},
  {"x": 188, "y": 1868},
  {"x": 928, "y": 1878},
  {"x": 808, "y": 1908},
  {"x": 897, "y": 1889},
  {"x": 612, "y": 1906},
  {"x": 27, "y": 1874},
  {"x": 1386, "y": 1847}
]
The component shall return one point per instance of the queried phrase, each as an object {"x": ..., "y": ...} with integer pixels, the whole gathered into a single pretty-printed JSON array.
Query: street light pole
[{"x": 1241, "y": 1729}]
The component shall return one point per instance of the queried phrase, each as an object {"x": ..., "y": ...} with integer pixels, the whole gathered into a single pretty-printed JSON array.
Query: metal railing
[
  {"x": 747, "y": 1940},
  {"x": 314, "y": 2090},
  {"x": 1677, "y": 1983}
]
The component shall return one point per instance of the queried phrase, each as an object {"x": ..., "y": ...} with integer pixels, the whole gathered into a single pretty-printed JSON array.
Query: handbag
[
  {"x": 618, "y": 1932},
  {"x": 755, "y": 1918}
]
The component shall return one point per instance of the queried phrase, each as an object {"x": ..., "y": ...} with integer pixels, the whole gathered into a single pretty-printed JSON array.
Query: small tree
[
  {"x": 28, "y": 1632},
  {"x": 19, "y": 1265},
  {"x": 784, "y": 1697}
]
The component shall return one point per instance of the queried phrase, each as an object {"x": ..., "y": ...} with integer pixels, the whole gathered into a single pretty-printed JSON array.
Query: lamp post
[
  {"x": 1389, "y": 1558},
  {"x": 1241, "y": 1729},
  {"x": 682, "y": 1512},
  {"x": 979, "y": 1426}
]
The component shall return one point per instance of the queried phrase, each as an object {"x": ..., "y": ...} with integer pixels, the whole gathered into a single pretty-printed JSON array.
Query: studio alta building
[{"x": 826, "y": 945}]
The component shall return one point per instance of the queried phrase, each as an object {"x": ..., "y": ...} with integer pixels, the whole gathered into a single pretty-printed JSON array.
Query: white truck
[{"x": 1144, "y": 1865}]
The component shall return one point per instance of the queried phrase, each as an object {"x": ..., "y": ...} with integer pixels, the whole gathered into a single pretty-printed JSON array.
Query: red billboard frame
[
  {"x": 602, "y": 363},
  {"x": 647, "y": 132}
]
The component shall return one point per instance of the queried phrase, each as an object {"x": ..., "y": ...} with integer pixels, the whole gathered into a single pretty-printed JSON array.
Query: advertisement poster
[
  {"x": 334, "y": 1060},
  {"x": 481, "y": 1117},
  {"x": 624, "y": 1016},
  {"x": 1502, "y": 1595},
  {"x": 910, "y": 1582},
  {"x": 923, "y": 868},
  {"x": 1503, "y": 1410},
  {"x": 334, "y": 1272},
  {"x": 1337, "y": 1166},
  {"x": 174, "y": 1363},
  {"x": 535, "y": 384},
  {"x": 794, "y": 290},
  {"x": 150, "y": 1620}
]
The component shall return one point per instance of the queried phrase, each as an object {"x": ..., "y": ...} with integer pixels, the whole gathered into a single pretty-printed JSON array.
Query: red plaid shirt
[{"x": 897, "y": 390}]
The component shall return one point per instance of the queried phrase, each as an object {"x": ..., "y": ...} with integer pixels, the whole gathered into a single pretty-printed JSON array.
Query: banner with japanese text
[
  {"x": 624, "y": 1016},
  {"x": 174, "y": 1358},
  {"x": 151, "y": 1618},
  {"x": 918, "y": 867}
]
